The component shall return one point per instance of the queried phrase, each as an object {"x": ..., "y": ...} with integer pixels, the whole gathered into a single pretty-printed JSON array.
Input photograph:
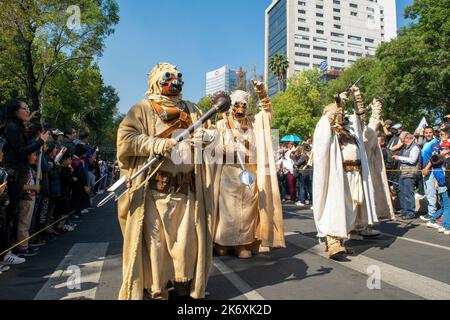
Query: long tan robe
[
  {"x": 238, "y": 204},
  {"x": 335, "y": 213},
  {"x": 246, "y": 216},
  {"x": 383, "y": 201},
  {"x": 166, "y": 237}
]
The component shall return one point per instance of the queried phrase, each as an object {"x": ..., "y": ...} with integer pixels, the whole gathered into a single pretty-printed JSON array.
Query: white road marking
[
  {"x": 392, "y": 235},
  {"x": 406, "y": 280},
  {"x": 417, "y": 241},
  {"x": 89, "y": 257},
  {"x": 237, "y": 281}
]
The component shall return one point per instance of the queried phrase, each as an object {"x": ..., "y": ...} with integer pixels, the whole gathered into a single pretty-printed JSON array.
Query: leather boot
[
  {"x": 243, "y": 253},
  {"x": 368, "y": 232},
  {"x": 182, "y": 289},
  {"x": 335, "y": 247},
  {"x": 354, "y": 235},
  {"x": 220, "y": 251}
]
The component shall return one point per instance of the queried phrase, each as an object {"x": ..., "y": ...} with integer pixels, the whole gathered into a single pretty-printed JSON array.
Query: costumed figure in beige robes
[
  {"x": 166, "y": 217},
  {"x": 383, "y": 201},
  {"x": 249, "y": 218},
  {"x": 343, "y": 192}
]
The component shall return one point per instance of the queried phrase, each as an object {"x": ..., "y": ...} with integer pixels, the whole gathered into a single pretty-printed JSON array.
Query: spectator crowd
[
  {"x": 417, "y": 165},
  {"x": 47, "y": 180}
]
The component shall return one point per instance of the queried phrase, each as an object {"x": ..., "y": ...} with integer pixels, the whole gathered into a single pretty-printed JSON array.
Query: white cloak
[{"x": 330, "y": 214}]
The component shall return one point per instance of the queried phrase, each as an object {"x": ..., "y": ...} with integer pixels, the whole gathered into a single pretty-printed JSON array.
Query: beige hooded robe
[
  {"x": 383, "y": 201},
  {"x": 244, "y": 216},
  {"x": 166, "y": 237}
]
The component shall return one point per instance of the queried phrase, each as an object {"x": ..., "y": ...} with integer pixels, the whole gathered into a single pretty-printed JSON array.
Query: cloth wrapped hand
[
  {"x": 163, "y": 147},
  {"x": 261, "y": 92}
]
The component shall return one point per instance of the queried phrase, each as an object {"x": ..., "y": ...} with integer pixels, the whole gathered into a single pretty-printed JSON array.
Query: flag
[
  {"x": 323, "y": 66},
  {"x": 423, "y": 123}
]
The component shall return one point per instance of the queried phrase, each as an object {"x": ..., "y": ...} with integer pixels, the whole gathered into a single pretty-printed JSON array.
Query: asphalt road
[{"x": 409, "y": 261}]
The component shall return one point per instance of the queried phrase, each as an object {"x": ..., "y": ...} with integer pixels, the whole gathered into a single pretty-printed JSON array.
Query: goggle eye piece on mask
[
  {"x": 180, "y": 75},
  {"x": 166, "y": 77},
  {"x": 237, "y": 104}
]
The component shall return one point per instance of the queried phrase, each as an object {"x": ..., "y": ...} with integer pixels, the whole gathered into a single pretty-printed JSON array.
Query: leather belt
[
  {"x": 166, "y": 182},
  {"x": 352, "y": 166}
]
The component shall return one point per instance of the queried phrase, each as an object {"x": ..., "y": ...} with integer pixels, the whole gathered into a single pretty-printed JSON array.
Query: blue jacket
[
  {"x": 428, "y": 149},
  {"x": 439, "y": 175}
]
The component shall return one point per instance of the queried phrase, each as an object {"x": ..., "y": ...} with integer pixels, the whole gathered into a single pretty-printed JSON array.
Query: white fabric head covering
[
  {"x": 239, "y": 96},
  {"x": 155, "y": 87}
]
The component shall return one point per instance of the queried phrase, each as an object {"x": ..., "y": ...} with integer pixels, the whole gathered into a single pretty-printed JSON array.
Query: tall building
[
  {"x": 222, "y": 79},
  {"x": 309, "y": 32}
]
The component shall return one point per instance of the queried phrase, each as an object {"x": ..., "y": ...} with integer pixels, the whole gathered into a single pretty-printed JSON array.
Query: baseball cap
[
  {"x": 388, "y": 122},
  {"x": 397, "y": 126}
]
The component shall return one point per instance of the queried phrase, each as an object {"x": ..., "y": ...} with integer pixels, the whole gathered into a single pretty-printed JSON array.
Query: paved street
[{"x": 412, "y": 260}]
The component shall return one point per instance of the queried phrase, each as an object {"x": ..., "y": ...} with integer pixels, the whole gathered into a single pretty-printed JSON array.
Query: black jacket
[
  {"x": 65, "y": 177},
  {"x": 70, "y": 145},
  {"x": 18, "y": 146}
]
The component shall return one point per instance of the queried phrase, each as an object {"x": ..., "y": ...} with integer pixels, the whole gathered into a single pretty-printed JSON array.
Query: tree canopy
[
  {"x": 297, "y": 110},
  {"x": 49, "y": 51}
]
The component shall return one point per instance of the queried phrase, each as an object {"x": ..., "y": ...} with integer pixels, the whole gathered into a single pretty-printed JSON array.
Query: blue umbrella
[{"x": 291, "y": 138}]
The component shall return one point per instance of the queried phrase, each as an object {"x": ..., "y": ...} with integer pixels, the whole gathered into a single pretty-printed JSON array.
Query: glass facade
[
  {"x": 277, "y": 38},
  {"x": 223, "y": 79}
]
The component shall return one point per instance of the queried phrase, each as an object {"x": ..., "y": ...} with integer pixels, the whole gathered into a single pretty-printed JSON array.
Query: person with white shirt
[
  {"x": 410, "y": 165},
  {"x": 287, "y": 165}
]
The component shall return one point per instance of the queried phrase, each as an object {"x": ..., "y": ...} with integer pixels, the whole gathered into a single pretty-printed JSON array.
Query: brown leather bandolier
[{"x": 175, "y": 118}]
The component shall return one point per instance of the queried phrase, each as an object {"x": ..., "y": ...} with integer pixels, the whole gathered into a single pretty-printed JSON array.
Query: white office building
[
  {"x": 309, "y": 32},
  {"x": 222, "y": 79}
]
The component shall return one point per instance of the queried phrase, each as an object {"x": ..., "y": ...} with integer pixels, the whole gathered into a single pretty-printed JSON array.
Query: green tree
[
  {"x": 109, "y": 140},
  {"x": 416, "y": 65},
  {"x": 279, "y": 65},
  {"x": 78, "y": 97},
  {"x": 297, "y": 110},
  {"x": 367, "y": 67},
  {"x": 204, "y": 104},
  {"x": 37, "y": 39}
]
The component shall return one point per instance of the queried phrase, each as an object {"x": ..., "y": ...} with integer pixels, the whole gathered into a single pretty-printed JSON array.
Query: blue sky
[
  {"x": 197, "y": 35},
  {"x": 401, "y": 5}
]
